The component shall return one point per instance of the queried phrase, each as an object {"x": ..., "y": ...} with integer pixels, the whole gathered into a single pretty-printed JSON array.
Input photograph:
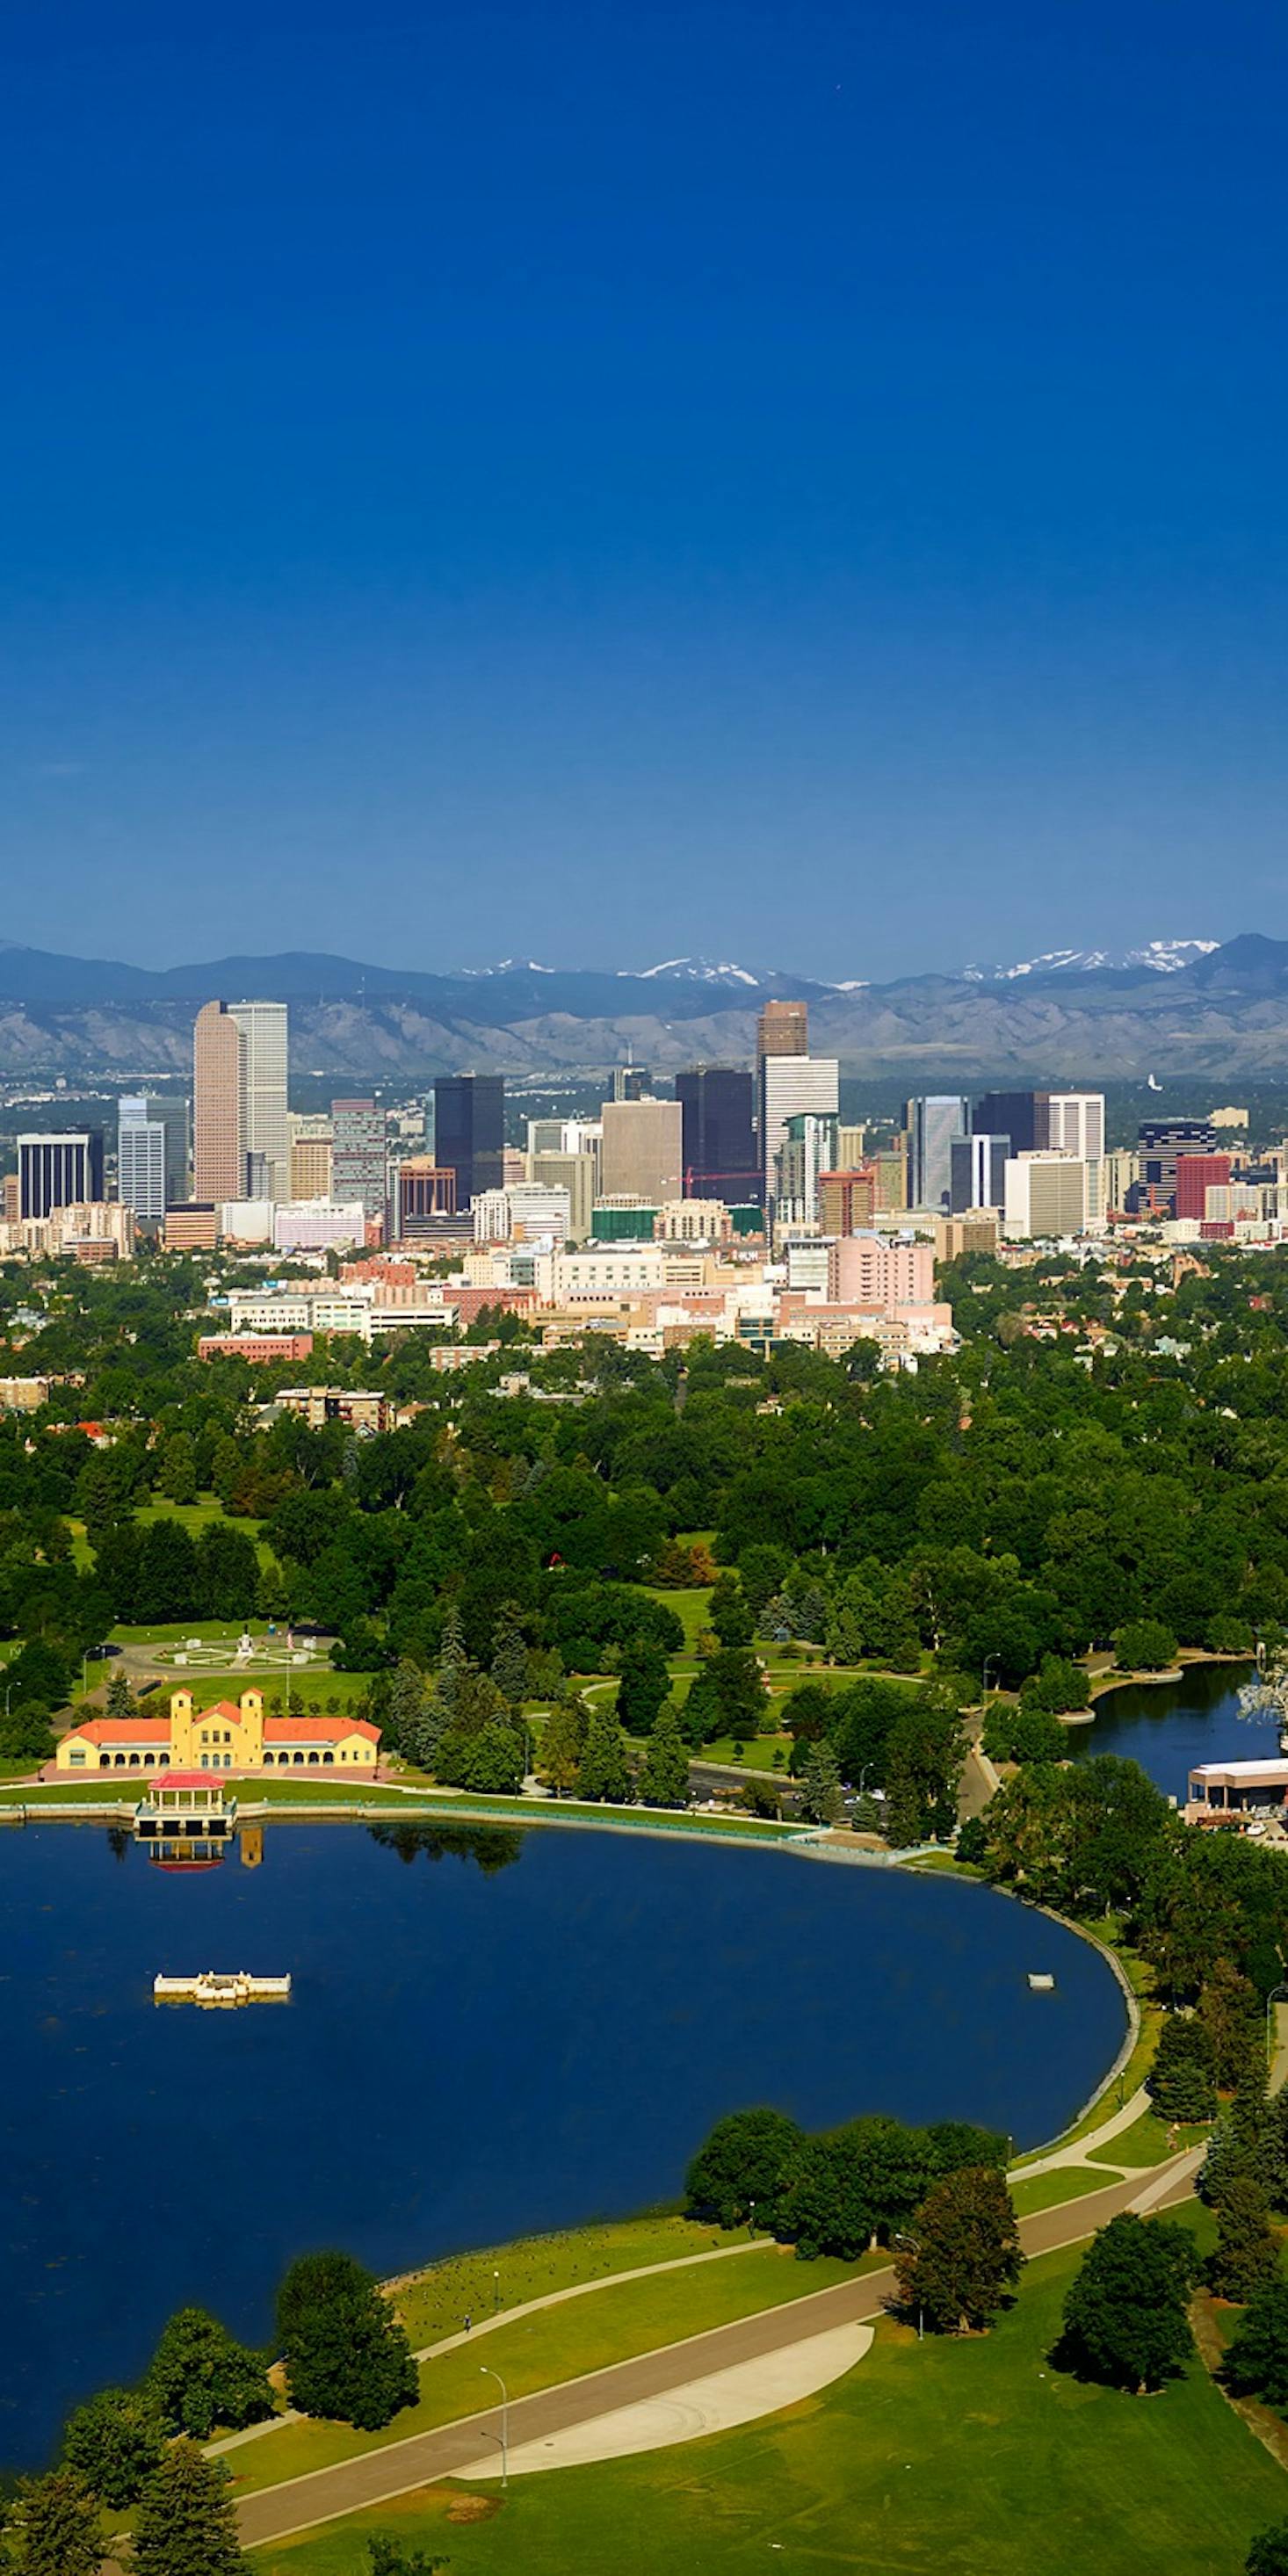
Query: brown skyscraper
[
  {"x": 783, "y": 1029},
  {"x": 218, "y": 1105}
]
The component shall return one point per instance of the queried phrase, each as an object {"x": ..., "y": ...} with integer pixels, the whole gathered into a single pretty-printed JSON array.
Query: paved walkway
[
  {"x": 510, "y": 2316},
  {"x": 1079, "y": 2151},
  {"x": 453, "y": 2449}
]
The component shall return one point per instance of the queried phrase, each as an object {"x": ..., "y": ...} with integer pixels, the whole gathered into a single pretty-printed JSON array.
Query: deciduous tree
[
  {"x": 1125, "y": 2315},
  {"x": 966, "y": 2255},
  {"x": 346, "y": 2355}
]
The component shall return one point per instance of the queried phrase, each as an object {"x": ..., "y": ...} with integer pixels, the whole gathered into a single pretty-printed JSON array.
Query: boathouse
[
  {"x": 1237, "y": 1794},
  {"x": 230, "y": 1736}
]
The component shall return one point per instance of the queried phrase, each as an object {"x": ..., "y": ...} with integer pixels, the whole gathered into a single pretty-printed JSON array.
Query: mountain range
[{"x": 1168, "y": 1007}]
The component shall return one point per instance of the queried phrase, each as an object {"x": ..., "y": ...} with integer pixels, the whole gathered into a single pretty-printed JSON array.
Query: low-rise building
[{"x": 225, "y": 1737}]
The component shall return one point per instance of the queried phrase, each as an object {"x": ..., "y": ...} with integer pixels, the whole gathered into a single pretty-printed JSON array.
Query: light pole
[
  {"x": 751, "y": 2218},
  {"x": 485, "y": 2373},
  {"x": 915, "y": 2243},
  {"x": 496, "y": 2291},
  {"x": 989, "y": 1661},
  {"x": 1277, "y": 1995}
]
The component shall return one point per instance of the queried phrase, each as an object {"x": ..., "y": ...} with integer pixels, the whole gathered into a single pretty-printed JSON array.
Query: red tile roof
[
  {"x": 124, "y": 1730},
  {"x": 317, "y": 1730}
]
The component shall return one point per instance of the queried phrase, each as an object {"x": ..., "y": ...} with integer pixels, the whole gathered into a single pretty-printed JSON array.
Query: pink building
[{"x": 873, "y": 1270}]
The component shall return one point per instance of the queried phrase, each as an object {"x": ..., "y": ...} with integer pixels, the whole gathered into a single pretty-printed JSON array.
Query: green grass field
[
  {"x": 555, "y": 2344},
  {"x": 1149, "y": 2140},
  {"x": 504, "y": 2276},
  {"x": 1048, "y": 2191},
  {"x": 947, "y": 2458}
]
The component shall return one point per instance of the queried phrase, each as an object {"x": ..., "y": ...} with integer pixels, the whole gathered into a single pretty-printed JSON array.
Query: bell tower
[
  {"x": 182, "y": 1753},
  {"x": 251, "y": 1705}
]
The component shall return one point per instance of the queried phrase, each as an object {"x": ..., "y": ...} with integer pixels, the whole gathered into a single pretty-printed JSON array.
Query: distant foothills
[{"x": 1171, "y": 1007}]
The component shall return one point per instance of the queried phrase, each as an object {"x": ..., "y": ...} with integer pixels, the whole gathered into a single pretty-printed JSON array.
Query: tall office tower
[
  {"x": 932, "y": 1122},
  {"x": 170, "y": 1112},
  {"x": 469, "y": 1132},
  {"x": 847, "y": 1199},
  {"x": 1046, "y": 1195},
  {"x": 851, "y": 1148},
  {"x": 546, "y": 1136},
  {"x": 718, "y": 1106},
  {"x": 56, "y": 1171},
  {"x": 630, "y": 1082},
  {"x": 1076, "y": 1125},
  {"x": 1021, "y": 1115},
  {"x": 264, "y": 1027},
  {"x": 1119, "y": 1175},
  {"x": 1196, "y": 1174},
  {"x": 890, "y": 1181},
  {"x": 218, "y": 1106},
  {"x": 578, "y": 1175},
  {"x": 791, "y": 1085},
  {"x": 643, "y": 1150},
  {"x": 1162, "y": 1142},
  {"x": 358, "y": 1155},
  {"x": 140, "y": 1160},
  {"x": 783, "y": 1029},
  {"x": 426, "y": 1192},
  {"x": 310, "y": 1158},
  {"x": 977, "y": 1172},
  {"x": 807, "y": 1151}
]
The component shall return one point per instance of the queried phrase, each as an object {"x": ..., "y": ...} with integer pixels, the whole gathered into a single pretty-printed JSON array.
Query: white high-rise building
[
  {"x": 1076, "y": 1125},
  {"x": 792, "y": 1086},
  {"x": 140, "y": 1159},
  {"x": 1046, "y": 1196},
  {"x": 264, "y": 1027}
]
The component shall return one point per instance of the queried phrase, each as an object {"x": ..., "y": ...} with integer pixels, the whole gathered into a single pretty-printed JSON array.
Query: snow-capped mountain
[
  {"x": 1164, "y": 956},
  {"x": 691, "y": 970}
]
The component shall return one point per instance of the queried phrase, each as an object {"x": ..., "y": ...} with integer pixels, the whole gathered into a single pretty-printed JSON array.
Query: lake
[
  {"x": 1169, "y": 1726},
  {"x": 490, "y": 2034}
]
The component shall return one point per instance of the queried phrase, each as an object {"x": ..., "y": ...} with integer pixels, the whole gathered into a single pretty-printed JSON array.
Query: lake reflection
[{"x": 490, "y": 2033}]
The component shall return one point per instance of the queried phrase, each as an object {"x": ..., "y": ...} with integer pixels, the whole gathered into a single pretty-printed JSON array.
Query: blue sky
[{"x": 792, "y": 482}]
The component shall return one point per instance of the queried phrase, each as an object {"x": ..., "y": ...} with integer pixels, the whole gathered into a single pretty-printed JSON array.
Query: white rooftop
[{"x": 1241, "y": 1770}]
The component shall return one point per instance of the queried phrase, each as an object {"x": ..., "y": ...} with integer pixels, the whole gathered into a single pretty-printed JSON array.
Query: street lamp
[
  {"x": 485, "y": 2373},
  {"x": 751, "y": 2218},
  {"x": 989, "y": 1661},
  {"x": 915, "y": 2243},
  {"x": 496, "y": 2291}
]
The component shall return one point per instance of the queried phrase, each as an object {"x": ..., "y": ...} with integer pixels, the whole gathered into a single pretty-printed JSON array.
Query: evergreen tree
[
  {"x": 406, "y": 1703},
  {"x": 178, "y": 1475},
  {"x": 200, "y": 2377},
  {"x": 120, "y": 1700},
  {"x": 52, "y": 2528},
  {"x": 821, "y": 1799},
  {"x": 1182, "y": 2079},
  {"x": 186, "y": 2525},
  {"x": 1230, "y": 2014},
  {"x": 346, "y": 2355},
  {"x": 453, "y": 1660},
  {"x": 604, "y": 1770},
  {"x": 1245, "y": 2254},
  {"x": 967, "y": 2251},
  {"x": 510, "y": 1657},
  {"x": 1125, "y": 2317},
  {"x": 1256, "y": 2362},
  {"x": 664, "y": 1780},
  {"x": 729, "y": 1613}
]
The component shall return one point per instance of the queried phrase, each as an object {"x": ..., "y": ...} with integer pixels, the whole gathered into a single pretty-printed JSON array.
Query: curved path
[{"x": 322, "y": 2495}]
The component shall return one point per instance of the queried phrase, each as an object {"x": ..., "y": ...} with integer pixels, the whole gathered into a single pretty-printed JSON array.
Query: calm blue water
[
  {"x": 1169, "y": 1726},
  {"x": 469, "y": 2054}
]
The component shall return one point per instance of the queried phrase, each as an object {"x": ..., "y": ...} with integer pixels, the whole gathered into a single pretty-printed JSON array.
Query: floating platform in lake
[
  {"x": 212, "y": 1989},
  {"x": 1040, "y": 1982}
]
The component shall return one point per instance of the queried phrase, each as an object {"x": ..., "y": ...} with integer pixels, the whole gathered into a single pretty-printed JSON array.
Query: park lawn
[
  {"x": 947, "y": 2458},
  {"x": 555, "y": 2344},
  {"x": 433, "y": 2303},
  {"x": 1149, "y": 2141},
  {"x": 176, "y": 1632},
  {"x": 1050, "y": 2190},
  {"x": 756, "y": 1754},
  {"x": 690, "y": 1604},
  {"x": 308, "y": 1682}
]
